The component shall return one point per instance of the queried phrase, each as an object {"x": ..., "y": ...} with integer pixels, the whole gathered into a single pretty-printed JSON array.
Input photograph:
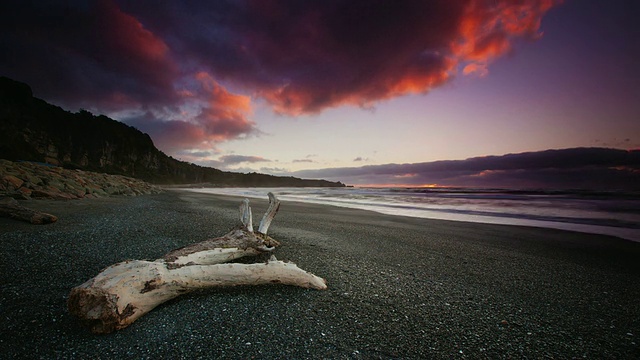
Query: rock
[
  {"x": 34, "y": 179},
  {"x": 44, "y": 194},
  {"x": 30, "y": 180},
  {"x": 12, "y": 181},
  {"x": 25, "y": 191},
  {"x": 76, "y": 191}
]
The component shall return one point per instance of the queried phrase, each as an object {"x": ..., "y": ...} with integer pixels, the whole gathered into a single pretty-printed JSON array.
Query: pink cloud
[
  {"x": 306, "y": 59},
  {"x": 221, "y": 116}
]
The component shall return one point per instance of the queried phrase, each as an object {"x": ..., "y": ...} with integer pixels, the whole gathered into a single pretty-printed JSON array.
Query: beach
[{"x": 398, "y": 287}]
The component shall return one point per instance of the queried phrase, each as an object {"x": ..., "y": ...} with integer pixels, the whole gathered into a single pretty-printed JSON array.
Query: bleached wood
[
  {"x": 274, "y": 205},
  {"x": 235, "y": 244},
  {"x": 123, "y": 292},
  {"x": 214, "y": 256},
  {"x": 9, "y": 207},
  {"x": 245, "y": 215}
]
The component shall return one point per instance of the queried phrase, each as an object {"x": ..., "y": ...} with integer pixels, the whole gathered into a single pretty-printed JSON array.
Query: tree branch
[{"x": 274, "y": 206}]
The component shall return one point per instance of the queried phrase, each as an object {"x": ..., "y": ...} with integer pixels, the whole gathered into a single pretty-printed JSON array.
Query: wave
[{"x": 609, "y": 213}]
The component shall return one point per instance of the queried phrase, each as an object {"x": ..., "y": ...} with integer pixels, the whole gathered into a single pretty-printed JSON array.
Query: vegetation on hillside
[{"x": 33, "y": 130}]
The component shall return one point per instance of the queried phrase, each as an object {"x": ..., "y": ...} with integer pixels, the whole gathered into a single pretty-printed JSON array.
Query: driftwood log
[
  {"x": 9, "y": 207},
  {"x": 123, "y": 292}
]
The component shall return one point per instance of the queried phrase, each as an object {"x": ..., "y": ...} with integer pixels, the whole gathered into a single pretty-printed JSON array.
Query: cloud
[
  {"x": 627, "y": 143},
  {"x": 479, "y": 69},
  {"x": 238, "y": 159},
  {"x": 172, "y": 136},
  {"x": 403, "y": 176},
  {"x": 307, "y": 159},
  {"x": 228, "y": 162},
  {"x": 305, "y": 57},
  {"x": 225, "y": 114},
  {"x": 568, "y": 168},
  {"x": 274, "y": 170},
  {"x": 217, "y": 115},
  {"x": 169, "y": 65},
  {"x": 98, "y": 56},
  {"x": 196, "y": 153}
]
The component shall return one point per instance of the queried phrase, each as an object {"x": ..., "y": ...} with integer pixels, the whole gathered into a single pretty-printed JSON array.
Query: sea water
[{"x": 615, "y": 213}]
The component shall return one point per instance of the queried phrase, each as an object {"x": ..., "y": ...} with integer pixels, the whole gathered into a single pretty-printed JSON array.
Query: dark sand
[{"x": 398, "y": 287}]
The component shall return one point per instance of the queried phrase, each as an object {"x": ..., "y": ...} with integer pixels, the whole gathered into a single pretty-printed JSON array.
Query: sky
[{"x": 307, "y": 87}]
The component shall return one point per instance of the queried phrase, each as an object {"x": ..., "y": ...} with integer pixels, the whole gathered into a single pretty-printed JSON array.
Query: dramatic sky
[{"x": 308, "y": 87}]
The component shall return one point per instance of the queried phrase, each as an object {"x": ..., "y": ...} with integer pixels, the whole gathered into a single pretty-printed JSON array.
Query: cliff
[{"x": 33, "y": 130}]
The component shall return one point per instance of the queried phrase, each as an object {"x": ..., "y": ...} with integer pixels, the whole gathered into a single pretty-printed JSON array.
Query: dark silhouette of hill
[{"x": 34, "y": 130}]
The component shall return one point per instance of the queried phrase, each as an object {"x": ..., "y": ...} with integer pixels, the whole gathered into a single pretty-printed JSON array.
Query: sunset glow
[{"x": 394, "y": 185}]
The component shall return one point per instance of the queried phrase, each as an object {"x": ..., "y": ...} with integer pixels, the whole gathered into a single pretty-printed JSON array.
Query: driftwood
[
  {"x": 124, "y": 292},
  {"x": 9, "y": 208}
]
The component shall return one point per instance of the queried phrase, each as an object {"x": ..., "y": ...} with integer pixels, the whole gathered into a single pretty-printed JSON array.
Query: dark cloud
[
  {"x": 618, "y": 143},
  {"x": 85, "y": 55},
  {"x": 171, "y": 136},
  {"x": 568, "y": 168},
  {"x": 303, "y": 161},
  {"x": 305, "y": 56}
]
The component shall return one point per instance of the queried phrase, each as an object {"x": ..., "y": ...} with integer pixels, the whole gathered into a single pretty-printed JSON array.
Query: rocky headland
[{"x": 27, "y": 180}]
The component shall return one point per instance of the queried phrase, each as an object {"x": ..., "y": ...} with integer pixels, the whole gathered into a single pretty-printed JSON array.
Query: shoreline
[
  {"x": 399, "y": 287},
  {"x": 620, "y": 232}
]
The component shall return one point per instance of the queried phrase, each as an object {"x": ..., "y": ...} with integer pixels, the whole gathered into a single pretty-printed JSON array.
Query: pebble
[{"x": 280, "y": 320}]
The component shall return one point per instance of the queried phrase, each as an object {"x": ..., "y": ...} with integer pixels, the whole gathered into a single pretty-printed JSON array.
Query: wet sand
[{"x": 398, "y": 287}]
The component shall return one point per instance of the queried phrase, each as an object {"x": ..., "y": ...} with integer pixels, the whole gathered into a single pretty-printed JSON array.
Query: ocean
[{"x": 613, "y": 213}]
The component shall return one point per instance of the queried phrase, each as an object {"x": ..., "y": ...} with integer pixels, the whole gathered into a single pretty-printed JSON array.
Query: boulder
[{"x": 13, "y": 181}]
